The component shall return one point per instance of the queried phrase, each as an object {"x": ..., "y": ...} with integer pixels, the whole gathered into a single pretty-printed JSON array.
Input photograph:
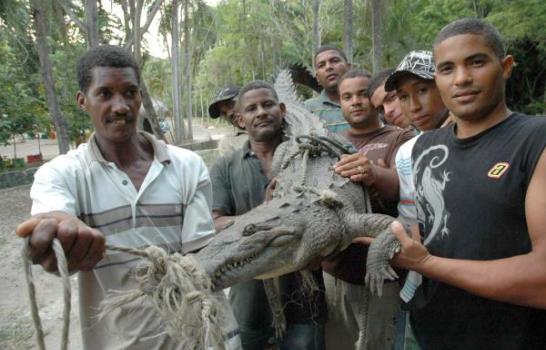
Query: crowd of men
[{"x": 436, "y": 146}]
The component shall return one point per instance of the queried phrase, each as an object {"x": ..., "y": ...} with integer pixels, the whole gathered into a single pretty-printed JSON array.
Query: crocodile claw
[{"x": 378, "y": 268}]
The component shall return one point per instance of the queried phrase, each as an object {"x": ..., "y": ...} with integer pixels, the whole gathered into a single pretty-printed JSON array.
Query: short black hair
[
  {"x": 353, "y": 73},
  {"x": 104, "y": 56},
  {"x": 255, "y": 85},
  {"x": 474, "y": 26},
  {"x": 329, "y": 47},
  {"x": 378, "y": 79}
]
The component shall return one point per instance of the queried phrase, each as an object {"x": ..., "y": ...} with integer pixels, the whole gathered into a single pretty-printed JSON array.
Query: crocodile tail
[{"x": 299, "y": 120}]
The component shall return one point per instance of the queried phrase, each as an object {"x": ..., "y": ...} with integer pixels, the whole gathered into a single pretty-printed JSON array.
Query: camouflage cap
[
  {"x": 418, "y": 63},
  {"x": 226, "y": 93}
]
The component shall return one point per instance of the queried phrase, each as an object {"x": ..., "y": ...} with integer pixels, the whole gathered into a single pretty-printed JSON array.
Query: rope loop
[{"x": 62, "y": 267}]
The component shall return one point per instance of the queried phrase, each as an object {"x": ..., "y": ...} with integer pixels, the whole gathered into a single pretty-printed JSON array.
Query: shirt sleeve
[
  {"x": 402, "y": 138},
  {"x": 52, "y": 189},
  {"x": 198, "y": 227},
  {"x": 221, "y": 187},
  {"x": 407, "y": 213}
]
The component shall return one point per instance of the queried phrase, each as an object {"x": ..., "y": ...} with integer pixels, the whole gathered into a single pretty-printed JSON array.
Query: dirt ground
[{"x": 16, "y": 327}]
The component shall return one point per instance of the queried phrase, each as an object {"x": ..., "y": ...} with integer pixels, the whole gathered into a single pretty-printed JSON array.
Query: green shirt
[{"x": 328, "y": 111}]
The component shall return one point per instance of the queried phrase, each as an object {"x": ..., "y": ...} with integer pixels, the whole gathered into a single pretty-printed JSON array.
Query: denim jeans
[
  {"x": 298, "y": 336},
  {"x": 303, "y": 336}
]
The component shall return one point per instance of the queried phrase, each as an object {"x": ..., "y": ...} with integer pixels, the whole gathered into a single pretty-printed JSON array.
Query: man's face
[
  {"x": 113, "y": 102},
  {"x": 420, "y": 101},
  {"x": 355, "y": 104},
  {"x": 261, "y": 114},
  {"x": 387, "y": 104},
  {"x": 227, "y": 111},
  {"x": 329, "y": 66},
  {"x": 470, "y": 77}
]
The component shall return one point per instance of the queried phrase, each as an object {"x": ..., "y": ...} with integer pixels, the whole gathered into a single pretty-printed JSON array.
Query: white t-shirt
[{"x": 407, "y": 213}]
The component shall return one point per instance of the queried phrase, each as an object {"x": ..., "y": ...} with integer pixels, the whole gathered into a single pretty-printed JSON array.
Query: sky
[{"x": 154, "y": 41}]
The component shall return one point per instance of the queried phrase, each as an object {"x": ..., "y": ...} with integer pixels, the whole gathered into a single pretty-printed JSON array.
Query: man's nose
[
  {"x": 261, "y": 111},
  {"x": 462, "y": 76},
  {"x": 415, "y": 104},
  {"x": 356, "y": 100},
  {"x": 119, "y": 105}
]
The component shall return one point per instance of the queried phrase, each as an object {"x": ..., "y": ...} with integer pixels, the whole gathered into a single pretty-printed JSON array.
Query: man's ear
[
  {"x": 282, "y": 106},
  {"x": 507, "y": 66},
  {"x": 239, "y": 120},
  {"x": 80, "y": 99}
]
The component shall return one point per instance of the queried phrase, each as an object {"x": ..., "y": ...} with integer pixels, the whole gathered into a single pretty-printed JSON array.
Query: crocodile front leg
[{"x": 380, "y": 251}]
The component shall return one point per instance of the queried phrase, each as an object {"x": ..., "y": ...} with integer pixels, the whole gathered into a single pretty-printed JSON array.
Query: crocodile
[{"x": 314, "y": 212}]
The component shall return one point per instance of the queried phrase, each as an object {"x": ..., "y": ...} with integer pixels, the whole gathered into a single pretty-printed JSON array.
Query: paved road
[{"x": 50, "y": 149}]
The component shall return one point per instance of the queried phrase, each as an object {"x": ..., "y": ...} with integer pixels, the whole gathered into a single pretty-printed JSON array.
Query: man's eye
[
  {"x": 478, "y": 63},
  {"x": 104, "y": 93},
  {"x": 402, "y": 98},
  {"x": 390, "y": 98},
  {"x": 445, "y": 70}
]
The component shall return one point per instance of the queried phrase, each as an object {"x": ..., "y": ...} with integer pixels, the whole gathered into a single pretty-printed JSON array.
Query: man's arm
[
  {"x": 221, "y": 220},
  {"x": 519, "y": 279},
  {"x": 84, "y": 246}
]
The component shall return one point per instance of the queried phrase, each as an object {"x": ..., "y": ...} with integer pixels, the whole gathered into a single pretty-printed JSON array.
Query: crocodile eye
[{"x": 249, "y": 230}]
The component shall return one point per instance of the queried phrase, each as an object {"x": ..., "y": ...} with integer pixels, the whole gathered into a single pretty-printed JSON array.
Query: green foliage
[
  {"x": 20, "y": 110},
  {"x": 241, "y": 40}
]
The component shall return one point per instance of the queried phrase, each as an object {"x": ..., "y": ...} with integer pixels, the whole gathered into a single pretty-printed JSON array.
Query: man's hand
[
  {"x": 270, "y": 189},
  {"x": 365, "y": 240},
  {"x": 357, "y": 167},
  {"x": 84, "y": 247},
  {"x": 413, "y": 253}
]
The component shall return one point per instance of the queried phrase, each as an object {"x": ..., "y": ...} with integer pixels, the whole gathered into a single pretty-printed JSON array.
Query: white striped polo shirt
[{"x": 171, "y": 209}]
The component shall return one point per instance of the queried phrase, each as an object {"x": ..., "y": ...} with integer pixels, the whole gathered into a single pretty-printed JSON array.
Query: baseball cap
[
  {"x": 419, "y": 63},
  {"x": 226, "y": 93}
]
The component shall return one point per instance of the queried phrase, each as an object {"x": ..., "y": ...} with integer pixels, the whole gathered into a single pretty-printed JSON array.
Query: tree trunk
[
  {"x": 179, "y": 128},
  {"x": 348, "y": 29},
  {"x": 187, "y": 70},
  {"x": 377, "y": 35},
  {"x": 136, "y": 11},
  {"x": 316, "y": 24},
  {"x": 61, "y": 127},
  {"x": 148, "y": 104},
  {"x": 92, "y": 21}
]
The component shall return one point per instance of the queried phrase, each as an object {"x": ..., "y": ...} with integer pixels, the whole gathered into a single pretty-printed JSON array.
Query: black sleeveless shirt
[{"x": 470, "y": 197}]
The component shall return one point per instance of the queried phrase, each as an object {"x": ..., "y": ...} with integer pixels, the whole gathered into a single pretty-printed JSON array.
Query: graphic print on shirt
[{"x": 429, "y": 190}]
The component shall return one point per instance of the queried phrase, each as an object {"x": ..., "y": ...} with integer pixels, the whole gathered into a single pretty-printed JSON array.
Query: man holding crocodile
[
  {"x": 239, "y": 184},
  {"x": 344, "y": 279},
  {"x": 484, "y": 265}
]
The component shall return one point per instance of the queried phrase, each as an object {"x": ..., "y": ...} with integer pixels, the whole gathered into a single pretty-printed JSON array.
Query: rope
[
  {"x": 62, "y": 266},
  {"x": 179, "y": 290}
]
